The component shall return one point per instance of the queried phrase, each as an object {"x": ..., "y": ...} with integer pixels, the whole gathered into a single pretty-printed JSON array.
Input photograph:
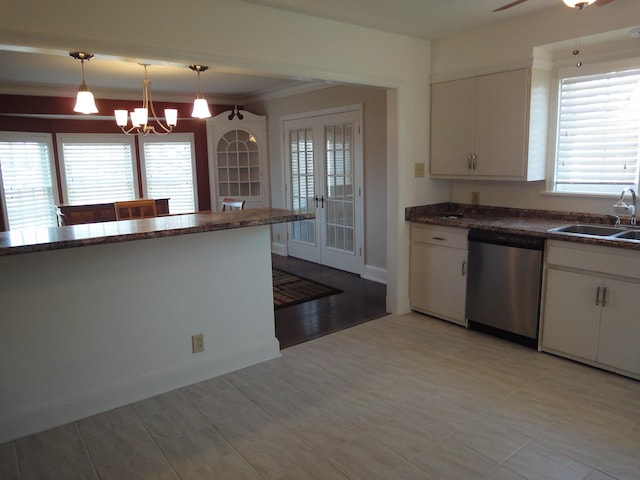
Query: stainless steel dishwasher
[{"x": 503, "y": 285}]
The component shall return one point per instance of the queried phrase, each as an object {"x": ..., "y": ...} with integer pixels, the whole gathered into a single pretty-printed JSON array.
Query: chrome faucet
[{"x": 623, "y": 208}]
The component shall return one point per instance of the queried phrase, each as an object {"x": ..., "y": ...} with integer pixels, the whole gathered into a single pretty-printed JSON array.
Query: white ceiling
[
  {"x": 23, "y": 71},
  {"x": 426, "y": 19}
]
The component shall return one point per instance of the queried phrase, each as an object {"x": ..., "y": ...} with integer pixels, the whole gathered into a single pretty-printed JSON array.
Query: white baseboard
[
  {"x": 375, "y": 274},
  {"x": 279, "y": 249},
  {"x": 81, "y": 405}
]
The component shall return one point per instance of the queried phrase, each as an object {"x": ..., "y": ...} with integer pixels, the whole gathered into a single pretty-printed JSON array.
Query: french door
[{"x": 324, "y": 177}]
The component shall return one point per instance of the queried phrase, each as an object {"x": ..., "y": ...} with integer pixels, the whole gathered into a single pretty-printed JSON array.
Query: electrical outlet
[
  {"x": 277, "y": 237},
  {"x": 475, "y": 198},
  {"x": 197, "y": 343},
  {"x": 419, "y": 170}
]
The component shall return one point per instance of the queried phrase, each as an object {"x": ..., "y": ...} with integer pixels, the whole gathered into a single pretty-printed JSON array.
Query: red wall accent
[{"x": 13, "y": 106}]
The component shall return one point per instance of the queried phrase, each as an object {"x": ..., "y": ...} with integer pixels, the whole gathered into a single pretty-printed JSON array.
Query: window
[
  {"x": 238, "y": 165},
  {"x": 27, "y": 180},
  {"x": 97, "y": 168},
  {"x": 598, "y": 133},
  {"x": 168, "y": 170}
]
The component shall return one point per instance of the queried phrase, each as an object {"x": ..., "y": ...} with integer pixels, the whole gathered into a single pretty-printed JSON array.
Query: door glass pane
[
  {"x": 302, "y": 182},
  {"x": 339, "y": 187}
]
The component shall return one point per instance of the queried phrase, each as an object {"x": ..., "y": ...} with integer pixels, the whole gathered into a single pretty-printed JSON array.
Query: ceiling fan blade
[
  {"x": 600, "y": 3},
  {"x": 513, "y": 4}
]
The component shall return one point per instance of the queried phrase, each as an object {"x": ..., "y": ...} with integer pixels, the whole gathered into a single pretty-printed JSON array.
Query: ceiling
[{"x": 22, "y": 69}]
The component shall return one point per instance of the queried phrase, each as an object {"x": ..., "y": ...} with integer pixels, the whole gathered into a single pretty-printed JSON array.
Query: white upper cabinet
[{"x": 480, "y": 127}]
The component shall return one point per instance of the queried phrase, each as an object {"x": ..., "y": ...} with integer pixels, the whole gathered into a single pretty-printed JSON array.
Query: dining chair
[
  {"x": 132, "y": 209},
  {"x": 232, "y": 204}
]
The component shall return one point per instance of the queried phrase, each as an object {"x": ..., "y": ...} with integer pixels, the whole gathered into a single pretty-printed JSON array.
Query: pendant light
[
  {"x": 85, "y": 103},
  {"x": 200, "y": 105}
]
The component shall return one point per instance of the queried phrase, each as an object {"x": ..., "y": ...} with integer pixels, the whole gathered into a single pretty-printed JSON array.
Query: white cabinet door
[
  {"x": 619, "y": 344},
  {"x": 501, "y": 118},
  {"x": 438, "y": 281},
  {"x": 452, "y": 114},
  {"x": 571, "y": 313},
  {"x": 479, "y": 127}
]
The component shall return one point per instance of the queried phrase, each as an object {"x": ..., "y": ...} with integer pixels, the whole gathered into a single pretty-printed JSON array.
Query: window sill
[{"x": 552, "y": 193}]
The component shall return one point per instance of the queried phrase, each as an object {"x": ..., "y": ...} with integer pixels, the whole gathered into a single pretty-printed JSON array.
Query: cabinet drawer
[
  {"x": 604, "y": 260},
  {"x": 437, "y": 235}
]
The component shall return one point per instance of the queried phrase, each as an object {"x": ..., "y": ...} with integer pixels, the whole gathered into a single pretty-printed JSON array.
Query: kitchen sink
[
  {"x": 608, "y": 232},
  {"x": 629, "y": 235},
  {"x": 590, "y": 230}
]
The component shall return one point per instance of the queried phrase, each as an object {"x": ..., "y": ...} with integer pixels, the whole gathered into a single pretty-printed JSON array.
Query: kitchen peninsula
[{"x": 100, "y": 315}]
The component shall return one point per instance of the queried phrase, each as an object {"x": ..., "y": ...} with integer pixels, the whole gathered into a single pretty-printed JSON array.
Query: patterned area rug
[{"x": 290, "y": 289}]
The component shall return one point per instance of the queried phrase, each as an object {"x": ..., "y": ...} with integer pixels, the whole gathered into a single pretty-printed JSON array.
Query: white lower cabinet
[
  {"x": 591, "y": 306},
  {"x": 619, "y": 339},
  {"x": 438, "y": 272},
  {"x": 571, "y": 316}
]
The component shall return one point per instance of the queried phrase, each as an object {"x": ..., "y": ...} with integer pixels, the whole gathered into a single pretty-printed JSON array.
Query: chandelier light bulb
[
  {"x": 122, "y": 117},
  {"x": 171, "y": 115}
]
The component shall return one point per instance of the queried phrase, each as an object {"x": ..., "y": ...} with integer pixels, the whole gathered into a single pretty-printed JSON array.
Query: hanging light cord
[{"x": 576, "y": 50}]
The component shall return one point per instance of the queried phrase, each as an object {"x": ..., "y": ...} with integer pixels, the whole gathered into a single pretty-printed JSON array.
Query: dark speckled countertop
[
  {"x": 535, "y": 223},
  {"x": 31, "y": 240}
]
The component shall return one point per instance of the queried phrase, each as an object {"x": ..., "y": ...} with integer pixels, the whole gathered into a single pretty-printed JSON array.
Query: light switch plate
[
  {"x": 419, "y": 170},
  {"x": 197, "y": 343}
]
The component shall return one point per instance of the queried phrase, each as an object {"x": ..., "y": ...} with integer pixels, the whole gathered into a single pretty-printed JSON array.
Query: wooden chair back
[
  {"x": 232, "y": 204},
  {"x": 135, "y": 209}
]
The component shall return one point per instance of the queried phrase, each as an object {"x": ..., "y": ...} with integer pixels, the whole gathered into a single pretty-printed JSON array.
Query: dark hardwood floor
[{"x": 360, "y": 301}]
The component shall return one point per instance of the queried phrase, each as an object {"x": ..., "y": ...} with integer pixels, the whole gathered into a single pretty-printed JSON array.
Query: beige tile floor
[{"x": 401, "y": 397}]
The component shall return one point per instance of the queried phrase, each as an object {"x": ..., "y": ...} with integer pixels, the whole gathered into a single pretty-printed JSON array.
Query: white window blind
[
  {"x": 27, "y": 181},
  {"x": 598, "y": 147},
  {"x": 168, "y": 167},
  {"x": 97, "y": 169}
]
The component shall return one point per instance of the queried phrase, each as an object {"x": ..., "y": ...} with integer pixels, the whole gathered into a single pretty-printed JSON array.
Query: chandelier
[{"x": 140, "y": 117}]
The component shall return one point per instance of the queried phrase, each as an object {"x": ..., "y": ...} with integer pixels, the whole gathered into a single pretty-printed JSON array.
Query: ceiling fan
[{"x": 579, "y": 4}]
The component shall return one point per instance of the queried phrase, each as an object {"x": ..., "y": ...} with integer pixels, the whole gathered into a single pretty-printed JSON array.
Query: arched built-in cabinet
[{"x": 238, "y": 158}]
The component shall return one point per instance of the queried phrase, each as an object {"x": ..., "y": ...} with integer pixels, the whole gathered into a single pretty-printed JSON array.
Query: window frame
[
  {"x": 174, "y": 137},
  {"x": 570, "y": 70},
  {"x": 116, "y": 138},
  {"x": 38, "y": 137}
]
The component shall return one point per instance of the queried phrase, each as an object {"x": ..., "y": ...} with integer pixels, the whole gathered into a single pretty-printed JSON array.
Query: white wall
[
  {"x": 89, "y": 329},
  {"x": 512, "y": 44},
  {"x": 250, "y": 38},
  {"x": 374, "y": 112}
]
